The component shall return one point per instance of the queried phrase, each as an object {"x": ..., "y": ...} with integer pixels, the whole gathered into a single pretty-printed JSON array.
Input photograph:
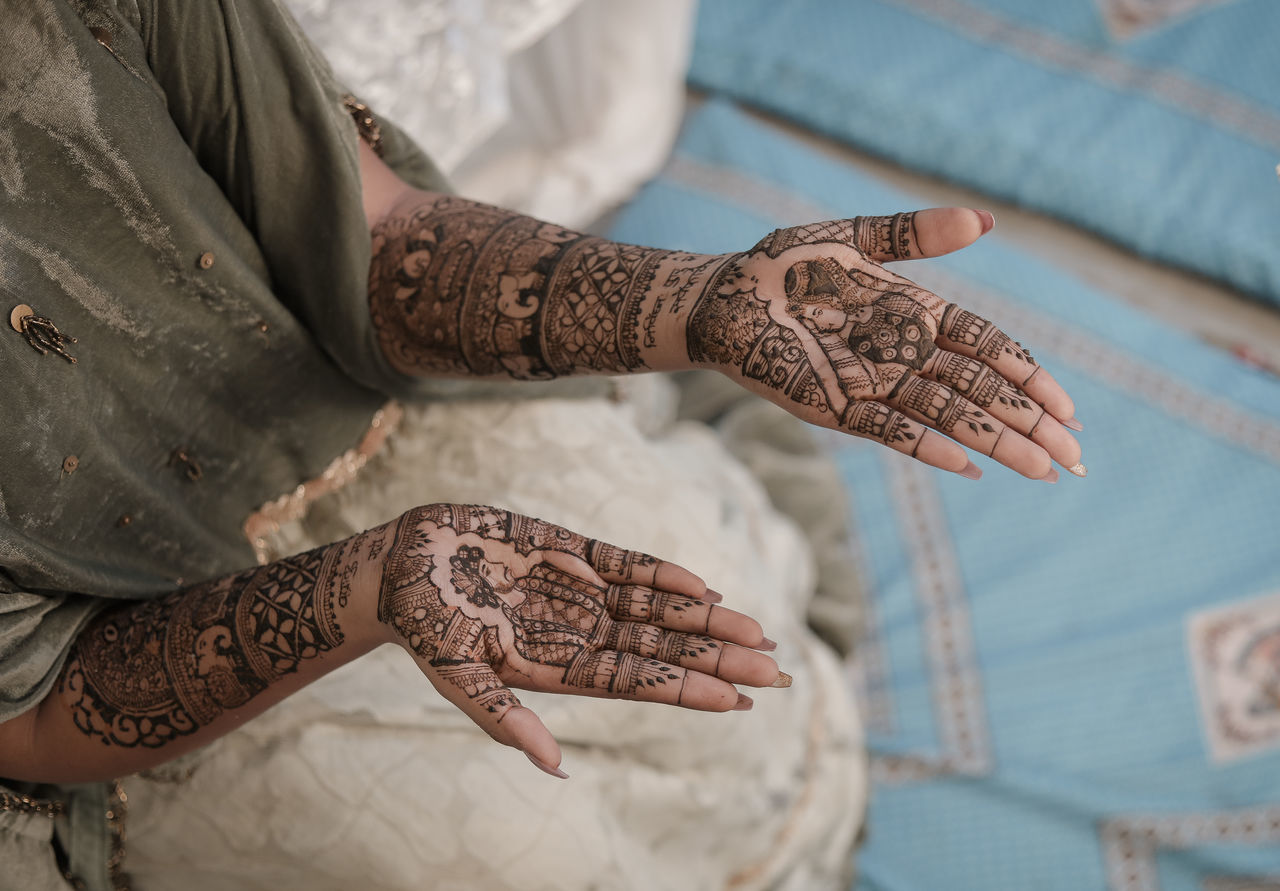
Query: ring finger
[
  {"x": 952, "y": 415},
  {"x": 729, "y": 662},
  {"x": 989, "y": 390}
]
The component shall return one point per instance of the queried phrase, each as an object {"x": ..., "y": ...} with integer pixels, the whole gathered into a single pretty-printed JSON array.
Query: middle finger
[
  {"x": 729, "y": 662},
  {"x": 951, "y": 414},
  {"x": 988, "y": 389},
  {"x": 677, "y": 612}
]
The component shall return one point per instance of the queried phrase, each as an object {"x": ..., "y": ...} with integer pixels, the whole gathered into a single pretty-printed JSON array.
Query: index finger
[
  {"x": 971, "y": 335},
  {"x": 623, "y": 566},
  {"x": 677, "y": 612}
]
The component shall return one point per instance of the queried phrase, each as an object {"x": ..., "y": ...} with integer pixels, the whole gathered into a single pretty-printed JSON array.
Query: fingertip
[
  {"x": 971, "y": 471},
  {"x": 547, "y": 768},
  {"x": 986, "y": 220},
  {"x": 525, "y": 731},
  {"x": 678, "y": 580},
  {"x": 941, "y": 230}
]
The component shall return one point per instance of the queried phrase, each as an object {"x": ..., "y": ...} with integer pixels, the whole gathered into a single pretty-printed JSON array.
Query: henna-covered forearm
[
  {"x": 147, "y": 681},
  {"x": 460, "y": 288}
]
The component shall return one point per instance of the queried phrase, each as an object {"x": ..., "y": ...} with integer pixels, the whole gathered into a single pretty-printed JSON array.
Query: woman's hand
[
  {"x": 486, "y": 600},
  {"x": 810, "y": 319}
]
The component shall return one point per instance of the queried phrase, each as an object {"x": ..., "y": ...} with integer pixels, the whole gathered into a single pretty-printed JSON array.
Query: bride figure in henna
[{"x": 486, "y": 598}]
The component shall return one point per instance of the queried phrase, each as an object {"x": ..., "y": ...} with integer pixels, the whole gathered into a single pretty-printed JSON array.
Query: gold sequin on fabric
[
  {"x": 366, "y": 123},
  {"x": 206, "y": 260},
  {"x": 268, "y": 519},
  {"x": 25, "y": 804}
]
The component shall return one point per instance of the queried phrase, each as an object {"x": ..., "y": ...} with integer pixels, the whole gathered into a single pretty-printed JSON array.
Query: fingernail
[
  {"x": 971, "y": 471},
  {"x": 768, "y": 646},
  {"x": 1073, "y": 424},
  {"x": 1051, "y": 476},
  {"x": 554, "y": 771},
  {"x": 743, "y": 704},
  {"x": 784, "y": 680},
  {"x": 988, "y": 221},
  {"x": 713, "y": 596},
  {"x": 1079, "y": 470}
]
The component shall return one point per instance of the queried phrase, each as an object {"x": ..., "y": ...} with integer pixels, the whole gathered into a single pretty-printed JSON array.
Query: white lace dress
[{"x": 370, "y": 780}]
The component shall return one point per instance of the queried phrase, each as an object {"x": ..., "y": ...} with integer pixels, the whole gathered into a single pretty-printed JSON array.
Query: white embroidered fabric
[
  {"x": 555, "y": 108},
  {"x": 368, "y": 779}
]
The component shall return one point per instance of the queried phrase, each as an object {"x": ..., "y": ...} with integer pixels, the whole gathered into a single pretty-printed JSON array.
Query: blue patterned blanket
[
  {"x": 1065, "y": 687},
  {"x": 1153, "y": 122}
]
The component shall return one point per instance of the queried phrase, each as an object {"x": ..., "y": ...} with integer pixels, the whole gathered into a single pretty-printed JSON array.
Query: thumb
[
  {"x": 924, "y": 233},
  {"x": 479, "y": 694}
]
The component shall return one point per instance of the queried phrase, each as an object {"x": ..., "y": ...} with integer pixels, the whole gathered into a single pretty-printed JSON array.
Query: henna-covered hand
[
  {"x": 811, "y": 318},
  {"x": 487, "y": 600}
]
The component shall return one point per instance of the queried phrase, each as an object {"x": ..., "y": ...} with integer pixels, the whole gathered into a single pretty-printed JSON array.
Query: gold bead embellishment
[
  {"x": 190, "y": 466},
  {"x": 366, "y": 123},
  {"x": 24, "y": 804},
  {"x": 40, "y": 332}
]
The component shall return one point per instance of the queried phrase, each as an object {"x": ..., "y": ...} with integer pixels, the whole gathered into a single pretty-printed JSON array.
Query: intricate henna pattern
[
  {"x": 163, "y": 669},
  {"x": 847, "y": 336},
  {"x": 457, "y": 287},
  {"x": 890, "y": 237},
  {"x": 983, "y": 338},
  {"x": 480, "y": 596}
]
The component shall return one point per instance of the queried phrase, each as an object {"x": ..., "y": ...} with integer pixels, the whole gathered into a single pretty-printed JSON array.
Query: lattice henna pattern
[{"x": 164, "y": 669}]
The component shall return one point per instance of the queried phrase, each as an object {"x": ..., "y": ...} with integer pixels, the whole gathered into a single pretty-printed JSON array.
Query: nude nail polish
[
  {"x": 743, "y": 704},
  {"x": 988, "y": 221},
  {"x": 971, "y": 471},
  {"x": 768, "y": 646},
  {"x": 712, "y": 596},
  {"x": 1051, "y": 476},
  {"x": 1073, "y": 424},
  {"x": 554, "y": 771},
  {"x": 784, "y": 680}
]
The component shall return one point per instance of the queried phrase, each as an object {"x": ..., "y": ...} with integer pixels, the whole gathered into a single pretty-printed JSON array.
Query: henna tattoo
[
  {"x": 457, "y": 287},
  {"x": 633, "y": 302},
  {"x": 879, "y": 422},
  {"x": 609, "y": 559},
  {"x": 162, "y": 669},
  {"x": 985, "y": 339},
  {"x": 979, "y": 384},
  {"x": 890, "y": 237},
  {"x": 730, "y": 327},
  {"x": 474, "y": 593},
  {"x": 622, "y": 673}
]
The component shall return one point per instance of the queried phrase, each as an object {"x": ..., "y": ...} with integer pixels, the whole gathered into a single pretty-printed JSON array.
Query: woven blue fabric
[
  {"x": 1065, "y": 687},
  {"x": 1164, "y": 138}
]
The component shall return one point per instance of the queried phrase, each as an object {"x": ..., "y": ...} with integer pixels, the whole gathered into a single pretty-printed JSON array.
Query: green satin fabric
[{"x": 201, "y": 130}]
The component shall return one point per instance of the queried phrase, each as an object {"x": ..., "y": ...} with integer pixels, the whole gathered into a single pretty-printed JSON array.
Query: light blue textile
[
  {"x": 1165, "y": 140},
  {"x": 1028, "y": 675}
]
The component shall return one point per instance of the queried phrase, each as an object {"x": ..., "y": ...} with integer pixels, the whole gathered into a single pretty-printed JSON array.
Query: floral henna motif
[{"x": 162, "y": 669}]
